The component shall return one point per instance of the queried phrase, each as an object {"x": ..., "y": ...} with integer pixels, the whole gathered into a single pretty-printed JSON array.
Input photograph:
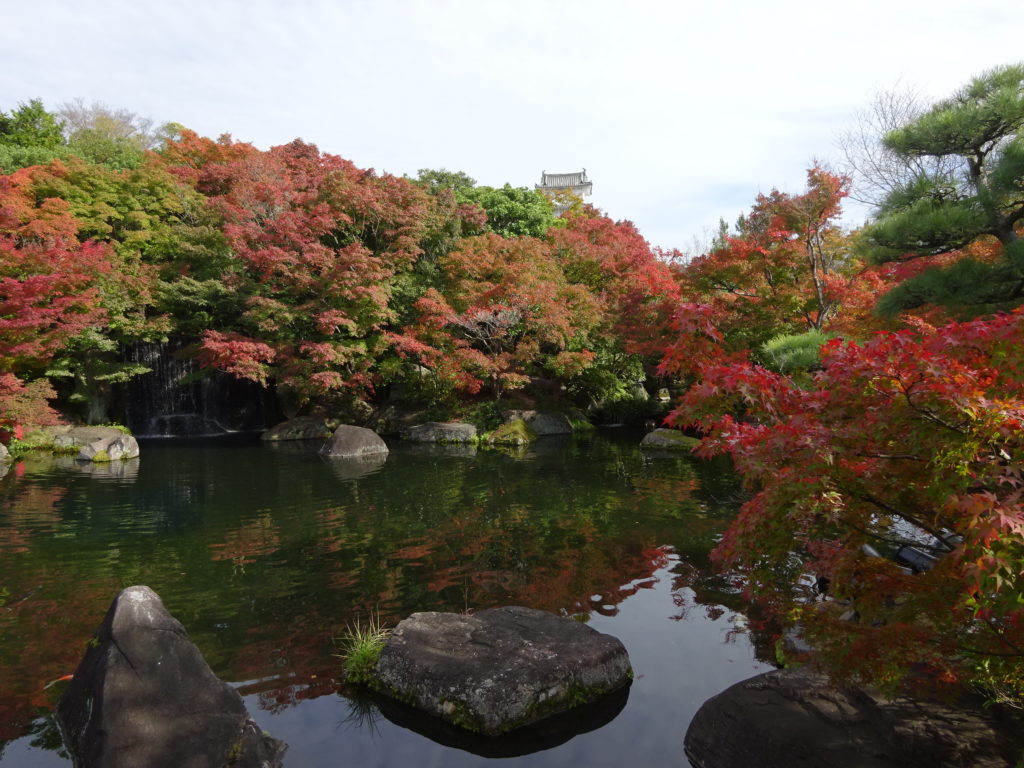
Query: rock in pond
[
  {"x": 793, "y": 718},
  {"x": 668, "y": 439},
  {"x": 71, "y": 437},
  {"x": 441, "y": 432},
  {"x": 501, "y": 668},
  {"x": 542, "y": 423},
  {"x": 110, "y": 448},
  {"x": 143, "y": 695},
  {"x": 301, "y": 428},
  {"x": 351, "y": 442},
  {"x": 5, "y": 455}
]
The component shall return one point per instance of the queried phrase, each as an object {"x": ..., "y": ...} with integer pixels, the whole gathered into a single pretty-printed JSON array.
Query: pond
[{"x": 267, "y": 552}]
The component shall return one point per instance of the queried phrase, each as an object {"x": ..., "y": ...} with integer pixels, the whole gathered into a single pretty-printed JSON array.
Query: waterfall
[{"x": 176, "y": 399}]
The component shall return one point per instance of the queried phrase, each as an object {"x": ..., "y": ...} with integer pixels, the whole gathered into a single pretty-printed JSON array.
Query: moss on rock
[
  {"x": 515, "y": 432},
  {"x": 670, "y": 439}
]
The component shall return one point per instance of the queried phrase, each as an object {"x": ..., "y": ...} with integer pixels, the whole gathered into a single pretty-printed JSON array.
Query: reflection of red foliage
[{"x": 244, "y": 545}]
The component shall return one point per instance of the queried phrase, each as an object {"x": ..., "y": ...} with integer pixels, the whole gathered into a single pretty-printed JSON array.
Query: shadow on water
[{"x": 537, "y": 737}]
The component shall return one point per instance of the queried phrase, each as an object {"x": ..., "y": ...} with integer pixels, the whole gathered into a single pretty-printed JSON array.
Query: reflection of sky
[{"x": 678, "y": 665}]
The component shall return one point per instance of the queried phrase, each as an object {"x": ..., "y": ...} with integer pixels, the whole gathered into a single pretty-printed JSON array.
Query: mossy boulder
[
  {"x": 499, "y": 669},
  {"x": 515, "y": 432},
  {"x": 116, "y": 447},
  {"x": 669, "y": 439}
]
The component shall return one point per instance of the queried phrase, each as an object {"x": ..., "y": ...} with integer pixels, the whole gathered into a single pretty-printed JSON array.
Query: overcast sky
[{"x": 681, "y": 112}]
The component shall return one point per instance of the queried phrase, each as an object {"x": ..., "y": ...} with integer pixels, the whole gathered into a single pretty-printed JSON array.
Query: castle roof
[{"x": 562, "y": 180}]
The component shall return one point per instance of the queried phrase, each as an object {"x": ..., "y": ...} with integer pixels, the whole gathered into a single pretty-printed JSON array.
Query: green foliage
[
  {"x": 930, "y": 224},
  {"x": 115, "y": 138},
  {"x": 789, "y": 353},
  {"x": 101, "y": 148},
  {"x": 30, "y": 125},
  {"x": 978, "y": 128},
  {"x": 13, "y": 157},
  {"x": 362, "y": 644},
  {"x": 611, "y": 376},
  {"x": 29, "y": 136},
  {"x": 969, "y": 287},
  {"x": 485, "y": 416},
  {"x": 629, "y": 410},
  {"x": 972, "y": 121},
  {"x": 512, "y": 211},
  {"x": 436, "y": 180},
  {"x": 582, "y": 426}
]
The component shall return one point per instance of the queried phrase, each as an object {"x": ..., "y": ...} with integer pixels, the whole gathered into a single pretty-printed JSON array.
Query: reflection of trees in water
[{"x": 265, "y": 555}]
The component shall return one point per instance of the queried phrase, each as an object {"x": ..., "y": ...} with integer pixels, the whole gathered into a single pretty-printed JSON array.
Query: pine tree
[{"x": 980, "y": 196}]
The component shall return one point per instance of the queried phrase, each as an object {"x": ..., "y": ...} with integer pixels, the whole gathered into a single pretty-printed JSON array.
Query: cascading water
[{"x": 174, "y": 400}]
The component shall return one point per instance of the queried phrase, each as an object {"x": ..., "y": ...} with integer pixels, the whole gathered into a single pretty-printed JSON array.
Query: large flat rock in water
[
  {"x": 143, "y": 695},
  {"x": 501, "y": 668},
  {"x": 793, "y": 718}
]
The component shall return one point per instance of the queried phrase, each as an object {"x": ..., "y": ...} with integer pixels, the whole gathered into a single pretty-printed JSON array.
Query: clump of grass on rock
[{"x": 361, "y": 645}]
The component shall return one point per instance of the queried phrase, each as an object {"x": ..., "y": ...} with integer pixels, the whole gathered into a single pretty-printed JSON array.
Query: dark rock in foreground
[
  {"x": 441, "y": 432},
  {"x": 350, "y": 442},
  {"x": 144, "y": 696},
  {"x": 793, "y": 718},
  {"x": 301, "y": 428},
  {"x": 501, "y": 668}
]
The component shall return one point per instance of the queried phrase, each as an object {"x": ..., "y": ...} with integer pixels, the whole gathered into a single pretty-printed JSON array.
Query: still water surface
[{"x": 265, "y": 553}]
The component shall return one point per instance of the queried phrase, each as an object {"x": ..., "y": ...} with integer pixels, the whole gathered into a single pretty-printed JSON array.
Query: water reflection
[
  {"x": 354, "y": 467},
  {"x": 265, "y": 556},
  {"x": 537, "y": 737}
]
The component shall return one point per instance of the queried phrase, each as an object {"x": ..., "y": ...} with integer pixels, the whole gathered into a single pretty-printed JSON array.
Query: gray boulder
[
  {"x": 502, "y": 668},
  {"x": 144, "y": 696},
  {"x": 793, "y": 717},
  {"x": 301, "y": 428},
  {"x": 668, "y": 439},
  {"x": 110, "y": 448},
  {"x": 542, "y": 422},
  {"x": 5, "y": 455},
  {"x": 77, "y": 437},
  {"x": 441, "y": 432},
  {"x": 351, "y": 442}
]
